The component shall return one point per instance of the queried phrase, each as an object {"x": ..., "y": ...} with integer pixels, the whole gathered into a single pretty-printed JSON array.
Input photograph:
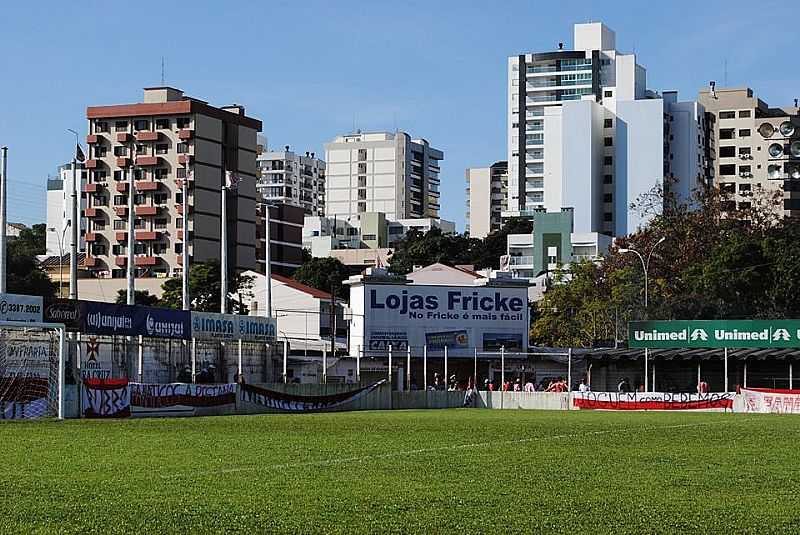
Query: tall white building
[
  {"x": 487, "y": 194},
  {"x": 59, "y": 209},
  {"x": 387, "y": 172},
  {"x": 289, "y": 178},
  {"x": 585, "y": 133}
]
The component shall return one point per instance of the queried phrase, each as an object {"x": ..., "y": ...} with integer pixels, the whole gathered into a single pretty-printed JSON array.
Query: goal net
[{"x": 31, "y": 370}]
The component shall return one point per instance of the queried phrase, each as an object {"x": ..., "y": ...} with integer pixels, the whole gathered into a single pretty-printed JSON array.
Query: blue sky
[{"x": 310, "y": 70}]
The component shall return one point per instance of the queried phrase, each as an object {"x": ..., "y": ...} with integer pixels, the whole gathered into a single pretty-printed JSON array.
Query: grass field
[{"x": 467, "y": 471}]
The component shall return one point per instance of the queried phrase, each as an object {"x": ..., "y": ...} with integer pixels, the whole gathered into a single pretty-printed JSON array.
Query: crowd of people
[{"x": 553, "y": 384}]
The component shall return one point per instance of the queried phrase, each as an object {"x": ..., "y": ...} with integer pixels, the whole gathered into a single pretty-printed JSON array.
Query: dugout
[{"x": 679, "y": 370}]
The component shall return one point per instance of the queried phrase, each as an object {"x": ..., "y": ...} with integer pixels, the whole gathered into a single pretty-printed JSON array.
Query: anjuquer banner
[{"x": 714, "y": 334}]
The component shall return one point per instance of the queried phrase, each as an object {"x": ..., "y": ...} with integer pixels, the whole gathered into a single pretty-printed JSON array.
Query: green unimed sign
[{"x": 710, "y": 334}]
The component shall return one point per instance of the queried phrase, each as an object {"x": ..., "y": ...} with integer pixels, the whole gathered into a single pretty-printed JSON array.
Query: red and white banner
[
  {"x": 652, "y": 401},
  {"x": 106, "y": 398},
  {"x": 771, "y": 400}
]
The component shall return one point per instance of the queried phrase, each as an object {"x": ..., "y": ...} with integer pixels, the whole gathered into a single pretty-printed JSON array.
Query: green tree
[
  {"x": 323, "y": 274},
  {"x": 487, "y": 254},
  {"x": 205, "y": 289},
  {"x": 140, "y": 297},
  {"x": 23, "y": 273},
  {"x": 423, "y": 249}
]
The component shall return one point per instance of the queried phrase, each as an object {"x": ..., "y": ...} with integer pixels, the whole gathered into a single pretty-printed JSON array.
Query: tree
[
  {"x": 205, "y": 289},
  {"x": 140, "y": 297},
  {"x": 323, "y": 274},
  {"x": 431, "y": 247},
  {"x": 494, "y": 246},
  {"x": 23, "y": 273}
]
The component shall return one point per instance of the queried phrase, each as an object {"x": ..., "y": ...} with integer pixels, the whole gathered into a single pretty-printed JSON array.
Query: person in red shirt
[{"x": 702, "y": 387}]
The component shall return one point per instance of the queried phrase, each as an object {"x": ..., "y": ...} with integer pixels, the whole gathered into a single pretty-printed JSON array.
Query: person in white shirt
[{"x": 583, "y": 387}]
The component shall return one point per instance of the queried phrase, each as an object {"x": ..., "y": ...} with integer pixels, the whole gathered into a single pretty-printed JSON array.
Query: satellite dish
[
  {"x": 766, "y": 130},
  {"x": 774, "y": 172},
  {"x": 794, "y": 148},
  {"x": 787, "y": 128},
  {"x": 776, "y": 150},
  {"x": 794, "y": 172}
]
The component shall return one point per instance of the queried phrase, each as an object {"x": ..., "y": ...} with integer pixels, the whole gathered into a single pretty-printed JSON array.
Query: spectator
[
  {"x": 583, "y": 387},
  {"x": 529, "y": 387},
  {"x": 518, "y": 385},
  {"x": 491, "y": 386},
  {"x": 486, "y": 384},
  {"x": 624, "y": 385},
  {"x": 702, "y": 387}
]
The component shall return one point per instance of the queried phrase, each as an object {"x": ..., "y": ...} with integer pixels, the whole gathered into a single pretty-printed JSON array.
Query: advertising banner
[
  {"x": 766, "y": 400},
  {"x": 106, "y": 398},
  {"x": 14, "y": 307},
  {"x": 652, "y": 401},
  {"x": 152, "y": 396},
  {"x": 281, "y": 401},
  {"x": 213, "y": 326},
  {"x": 66, "y": 311},
  {"x": 714, "y": 334},
  {"x": 125, "y": 320},
  {"x": 459, "y": 317}
]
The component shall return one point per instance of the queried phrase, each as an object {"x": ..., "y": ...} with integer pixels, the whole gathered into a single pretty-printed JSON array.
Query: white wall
[
  {"x": 582, "y": 160},
  {"x": 553, "y": 159},
  {"x": 480, "y": 191}
]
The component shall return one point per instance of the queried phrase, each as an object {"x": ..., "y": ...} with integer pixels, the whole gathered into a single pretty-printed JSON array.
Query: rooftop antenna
[{"x": 162, "y": 70}]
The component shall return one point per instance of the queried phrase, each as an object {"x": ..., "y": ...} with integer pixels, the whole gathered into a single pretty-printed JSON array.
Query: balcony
[
  {"x": 91, "y": 261},
  {"x": 91, "y": 237},
  {"x": 147, "y": 136},
  {"x": 122, "y": 187},
  {"x": 92, "y": 139},
  {"x": 185, "y": 134},
  {"x": 146, "y": 210},
  {"x": 521, "y": 261},
  {"x": 121, "y": 210},
  {"x": 185, "y": 159},
  {"x": 179, "y": 209},
  {"x": 123, "y": 161},
  {"x": 121, "y": 236},
  {"x": 91, "y": 188},
  {"x": 145, "y": 261},
  {"x": 121, "y": 260},
  {"x": 91, "y": 164},
  {"x": 143, "y": 235},
  {"x": 146, "y": 161},
  {"x": 124, "y": 137},
  {"x": 147, "y": 185},
  {"x": 92, "y": 212}
]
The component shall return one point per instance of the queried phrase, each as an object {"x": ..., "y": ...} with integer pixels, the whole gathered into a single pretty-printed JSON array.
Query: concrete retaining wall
[{"x": 523, "y": 400}]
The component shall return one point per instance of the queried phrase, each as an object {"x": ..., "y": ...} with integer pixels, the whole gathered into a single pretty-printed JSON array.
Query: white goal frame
[{"x": 61, "y": 329}]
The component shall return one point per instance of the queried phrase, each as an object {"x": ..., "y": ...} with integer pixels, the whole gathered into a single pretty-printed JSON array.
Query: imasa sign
[{"x": 461, "y": 318}]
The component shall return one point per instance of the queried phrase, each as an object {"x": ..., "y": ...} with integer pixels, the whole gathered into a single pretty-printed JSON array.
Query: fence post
[
  {"x": 285, "y": 360},
  {"x": 745, "y": 373},
  {"x": 194, "y": 360},
  {"x": 141, "y": 361},
  {"x": 646, "y": 355},
  {"x": 324, "y": 365},
  {"x": 425, "y": 367},
  {"x": 726, "y": 371},
  {"x": 408, "y": 369},
  {"x": 390, "y": 365},
  {"x": 569, "y": 380},
  {"x": 446, "y": 377},
  {"x": 502, "y": 374},
  {"x": 358, "y": 366},
  {"x": 791, "y": 379},
  {"x": 475, "y": 370},
  {"x": 240, "y": 357}
]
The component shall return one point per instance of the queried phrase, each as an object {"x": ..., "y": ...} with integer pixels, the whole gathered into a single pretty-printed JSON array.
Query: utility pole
[
  {"x": 333, "y": 319},
  {"x": 223, "y": 303},
  {"x": 76, "y": 223},
  {"x": 3, "y": 223},
  {"x": 131, "y": 234},
  {"x": 185, "y": 247}
]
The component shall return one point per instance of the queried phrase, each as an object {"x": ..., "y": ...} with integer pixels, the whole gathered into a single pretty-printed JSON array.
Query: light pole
[
  {"x": 645, "y": 267},
  {"x": 61, "y": 237},
  {"x": 73, "y": 246}
]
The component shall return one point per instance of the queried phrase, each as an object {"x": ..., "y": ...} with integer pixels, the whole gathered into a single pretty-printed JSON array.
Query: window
[
  {"x": 100, "y": 126},
  {"x": 159, "y": 248},
  {"x": 118, "y": 249},
  {"x": 362, "y": 182},
  {"x": 98, "y": 224},
  {"x": 369, "y": 237},
  {"x": 162, "y": 148},
  {"x": 744, "y": 187},
  {"x": 607, "y": 197},
  {"x": 160, "y": 224},
  {"x": 118, "y": 273},
  {"x": 179, "y": 248},
  {"x": 727, "y": 187},
  {"x": 180, "y": 172},
  {"x": 162, "y": 124},
  {"x": 727, "y": 115},
  {"x": 727, "y": 133},
  {"x": 744, "y": 132},
  {"x": 139, "y": 248},
  {"x": 744, "y": 206},
  {"x": 99, "y": 176},
  {"x": 141, "y": 149},
  {"x": 118, "y": 176},
  {"x": 607, "y": 179},
  {"x": 729, "y": 169},
  {"x": 744, "y": 151},
  {"x": 139, "y": 198},
  {"x": 179, "y": 222},
  {"x": 120, "y": 200},
  {"x": 159, "y": 198},
  {"x": 183, "y": 148},
  {"x": 362, "y": 168},
  {"x": 744, "y": 113},
  {"x": 139, "y": 174},
  {"x": 100, "y": 151},
  {"x": 744, "y": 168},
  {"x": 139, "y": 224},
  {"x": 608, "y": 123},
  {"x": 608, "y": 216},
  {"x": 608, "y": 142},
  {"x": 362, "y": 207},
  {"x": 99, "y": 200},
  {"x": 121, "y": 126},
  {"x": 179, "y": 198},
  {"x": 98, "y": 249},
  {"x": 608, "y": 160},
  {"x": 182, "y": 122},
  {"x": 727, "y": 152},
  {"x": 727, "y": 206},
  {"x": 161, "y": 173},
  {"x": 362, "y": 155},
  {"x": 608, "y": 93},
  {"x": 120, "y": 151},
  {"x": 362, "y": 194},
  {"x": 141, "y": 124},
  {"x": 120, "y": 224}
]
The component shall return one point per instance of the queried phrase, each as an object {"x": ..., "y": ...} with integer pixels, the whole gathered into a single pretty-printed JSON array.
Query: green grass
[{"x": 467, "y": 471}]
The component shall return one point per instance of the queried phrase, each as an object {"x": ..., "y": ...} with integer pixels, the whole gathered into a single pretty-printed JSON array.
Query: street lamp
[
  {"x": 61, "y": 237},
  {"x": 645, "y": 265}
]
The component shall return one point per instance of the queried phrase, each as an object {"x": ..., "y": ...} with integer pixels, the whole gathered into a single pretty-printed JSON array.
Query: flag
[
  {"x": 79, "y": 155},
  {"x": 231, "y": 180}
]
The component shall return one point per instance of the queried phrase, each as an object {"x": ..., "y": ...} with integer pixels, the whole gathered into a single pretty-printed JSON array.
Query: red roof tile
[{"x": 310, "y": 290}]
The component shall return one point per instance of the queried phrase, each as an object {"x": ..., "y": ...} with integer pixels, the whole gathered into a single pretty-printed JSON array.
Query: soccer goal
[{"x": 32, "y": 359}]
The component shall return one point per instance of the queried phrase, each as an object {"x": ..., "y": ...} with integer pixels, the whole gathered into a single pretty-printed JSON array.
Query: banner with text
[
  {"x": 461, "y": 318},
  {"x": 714, "y": 334},
  {"x": 767, "y": 400},
  {"x": 282, "y": 401},
  {"x": 652, "y": 401},
  {"x": 106, "y": 398},
  {"x": 14, "y": 307},
  {"x": 126, "y": 320},
  {"x": 153, "y": 396},
  {"x": 214, "y": 326}
]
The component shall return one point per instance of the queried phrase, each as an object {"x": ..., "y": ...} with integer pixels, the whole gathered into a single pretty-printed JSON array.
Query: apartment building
[
  {"x": 386, "y": 172},
  {"x": 289, "y": 178},
  {"x": 59, "y": 209},
  {"x": 162, "y": 141},
  {"x": 286, "y": 238},
  {"x": 487, "y": 198},
  {"x": 584, "y": 132},
  {"x": 755, "y": 149}
]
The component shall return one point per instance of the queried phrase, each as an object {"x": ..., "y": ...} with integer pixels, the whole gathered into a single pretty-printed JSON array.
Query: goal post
[{"x": 32, "y": 370}]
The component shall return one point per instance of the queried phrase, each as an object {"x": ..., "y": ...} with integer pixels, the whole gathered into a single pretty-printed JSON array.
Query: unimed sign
[{"x": 714, "y": 334}]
